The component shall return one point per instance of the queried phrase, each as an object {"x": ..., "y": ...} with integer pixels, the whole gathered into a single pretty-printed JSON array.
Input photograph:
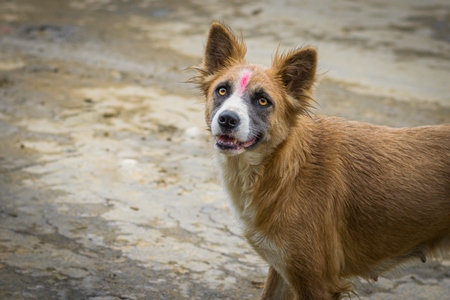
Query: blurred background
[{"x": 107, "y": 190}]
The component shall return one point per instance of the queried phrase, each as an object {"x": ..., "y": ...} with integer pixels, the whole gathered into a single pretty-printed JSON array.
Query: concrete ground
[{"x": 106, "y": 185}]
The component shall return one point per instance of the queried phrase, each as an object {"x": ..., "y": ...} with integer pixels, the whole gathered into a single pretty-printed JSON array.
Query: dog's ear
[
  {"x": 222, "y": 49},
  {"x": 297, "y": 71}
]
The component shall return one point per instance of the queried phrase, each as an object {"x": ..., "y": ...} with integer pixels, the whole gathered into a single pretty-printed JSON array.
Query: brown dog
[{"x": 321, "y": 199}]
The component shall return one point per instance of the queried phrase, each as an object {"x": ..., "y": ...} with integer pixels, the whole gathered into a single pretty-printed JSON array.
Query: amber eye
[
  {"x": 263, "y": 101},
  {"x": 222, "y": 91}
]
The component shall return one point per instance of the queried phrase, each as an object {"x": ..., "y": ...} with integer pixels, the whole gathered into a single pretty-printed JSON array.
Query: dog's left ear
[
  {"x": 222, "y": 49},
  {"x": 297, "y": 71}
]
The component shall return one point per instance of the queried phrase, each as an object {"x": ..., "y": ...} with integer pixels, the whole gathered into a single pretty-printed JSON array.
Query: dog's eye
[
  {"x": 222, "y": 91},
  {"x": 263, "y": 101}
]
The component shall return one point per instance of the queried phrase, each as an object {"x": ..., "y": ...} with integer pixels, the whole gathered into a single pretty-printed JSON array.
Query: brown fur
[{"x": 323, "y": 199}]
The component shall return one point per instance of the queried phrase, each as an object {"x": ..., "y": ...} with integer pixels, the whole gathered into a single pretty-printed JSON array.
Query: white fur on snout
[{"x": 238, "y": 106}]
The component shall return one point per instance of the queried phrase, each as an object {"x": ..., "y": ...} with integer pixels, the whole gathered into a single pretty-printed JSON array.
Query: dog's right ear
[
  {"x": 223, "y": 49},
  {"x": 297, "y": 71}
]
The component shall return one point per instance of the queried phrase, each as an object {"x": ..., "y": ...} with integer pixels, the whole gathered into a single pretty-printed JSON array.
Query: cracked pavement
[{"x": 107, "y": 190}]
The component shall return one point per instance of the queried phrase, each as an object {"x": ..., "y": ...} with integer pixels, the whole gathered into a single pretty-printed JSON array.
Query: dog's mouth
[{"x": 229, "y": 143}]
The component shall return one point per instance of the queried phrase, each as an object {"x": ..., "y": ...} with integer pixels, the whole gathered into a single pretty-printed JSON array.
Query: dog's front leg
[{"x": 276, "y": 288}]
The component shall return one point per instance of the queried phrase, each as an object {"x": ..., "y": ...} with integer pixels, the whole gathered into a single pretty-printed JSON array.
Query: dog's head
[{"x": 251, "y": 107}]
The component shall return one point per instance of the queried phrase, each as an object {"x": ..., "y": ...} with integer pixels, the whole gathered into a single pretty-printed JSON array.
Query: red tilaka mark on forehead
[{"x": 244, "y": 80}]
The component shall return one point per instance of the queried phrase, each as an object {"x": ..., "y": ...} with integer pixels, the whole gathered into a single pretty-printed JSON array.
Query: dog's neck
[{"x": 238, "y": 175}]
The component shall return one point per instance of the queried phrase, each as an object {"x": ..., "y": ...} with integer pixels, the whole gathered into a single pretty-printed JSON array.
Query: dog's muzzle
[{"x": 228, "y": 122}]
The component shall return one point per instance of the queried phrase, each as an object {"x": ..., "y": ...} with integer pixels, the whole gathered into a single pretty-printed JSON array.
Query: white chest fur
[{"x": 238, "y": 176}]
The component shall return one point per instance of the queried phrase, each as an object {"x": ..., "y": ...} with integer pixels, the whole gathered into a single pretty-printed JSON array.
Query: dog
[{"x": 321, "y": 199}]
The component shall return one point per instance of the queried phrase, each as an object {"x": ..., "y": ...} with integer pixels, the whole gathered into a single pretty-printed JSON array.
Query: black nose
[{"x": 229, "y": 119}]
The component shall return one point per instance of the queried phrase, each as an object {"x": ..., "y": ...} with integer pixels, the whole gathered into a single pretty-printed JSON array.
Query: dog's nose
[{"x": 228, "y": 119}]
